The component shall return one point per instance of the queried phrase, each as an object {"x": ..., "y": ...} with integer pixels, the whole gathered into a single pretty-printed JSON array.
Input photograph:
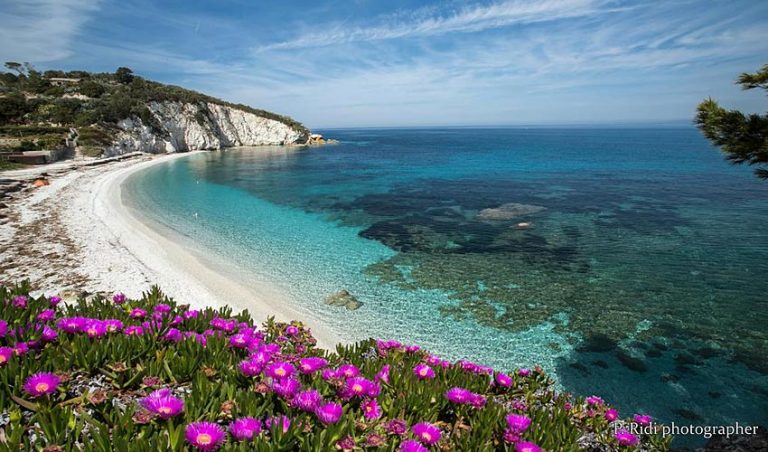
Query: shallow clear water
[{"x": 641, "y": 277}]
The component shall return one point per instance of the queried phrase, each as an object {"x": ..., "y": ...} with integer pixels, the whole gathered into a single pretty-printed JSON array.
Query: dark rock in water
[
  {"x": 345, "y": 299},
  {"x": 599, "y": 343},
  {"x": 738, "y": 443},
  {"x": 707, "y": 352},
  {"x": 630, "y": 362},
  {"x": 660, "y": 346},
  {"x": 756, "y": 362},
  {"x": 684, "y": 369},
  {"x": 714, "y": 395},
  {"x": 685, "y": 358},
  {"x": 666, "y": 378},
  {"x": 580, "y": 367},
  {"x": 687, "y": 414},
  {"x": 508, "y": 211},
  {"x": 653, "y": 353},
  {"x": 639, "y": 344},
  {"x": 600, "y": 363}
]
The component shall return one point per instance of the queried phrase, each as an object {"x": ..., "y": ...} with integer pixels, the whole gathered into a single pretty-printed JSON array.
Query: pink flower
[
  {"x": 426, "y": 433},
  {"x": 280, "y": 370},
  {"x": 280, "y": 421},
  {"x": 423, "y": 372},
  {"x": 477, "y": 400},
  {"x": 383, "y": 374},
  {"x": 204, "y": 435},
  {"x": 19, "y": 301},
  {"x": 250, "y": 368},
  {"x": 54, "y": 300},
  {"x": 46, "y": 315},
  {"x": 330, "y": 413},
  {"x": 311, "y": 364},
  {"x": 71, "y": 325},
  {"x": 527, "y": 447},
  {"x": 412, "y": 446},
  {"x": 397, "y": 427},
  {"x": 118, "y": 298},
  {"x": 348, "y": 371},
  {"x": 611, "y": 415},
  {"x": 625, "y": 438},
  {"x": 286, "y": 388},
  {"x": 5, "y": 355},
  {"x": 359, "y": 387},
  {"x": 594, "y": 401},
  {"x": 371, "y": 409},
  {"x": 291, "y": 330},
  {"x": 113, "y": 325},
  {"x": 503, "y": 380},
  {"x": 49, "y": 334},
  {"x": 518, "y": 423},
  {"x": 162, "y": 308},
  {"x": 240, "y": 340},
  {"x": 245, "y": 429},
  {"x": 95, "y": 328},
  {"x": 523, "y": 372},
  {"x": 458, "y": 395},
  {"x": 307, "y": 400},
  {"x": 137, "y": 313},
  {"x": 163, "y": 404},
  {"x": 643, "y": 419},
  {"x": 40, "y": 384},
  {"x": 3, "y": 328},
  {"x": 133, "y": 330}
]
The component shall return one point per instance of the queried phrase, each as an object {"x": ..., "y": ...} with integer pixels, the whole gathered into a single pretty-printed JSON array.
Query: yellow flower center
[
  {"x": 204, "y": 439},
  {"x": 92, "y": 331},
  {"x": 426, "y": 436},
  {"x": 280, "y": 372},
  {"x": 2, "y": 359},
  {"x": 423, "y": 372},
  {"x": 357, "y": 388},
  {"x": 41, "y": 387},
  {"x": 164, "y": 410}
]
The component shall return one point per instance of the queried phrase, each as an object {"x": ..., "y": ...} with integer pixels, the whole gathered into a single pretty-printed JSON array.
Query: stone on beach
[
  {"x": 509, "y": 211},
  {"x": 343, "y": 298}
]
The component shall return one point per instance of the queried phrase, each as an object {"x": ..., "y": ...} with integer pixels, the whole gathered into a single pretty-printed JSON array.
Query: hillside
[{"x": 112, "y": 113}]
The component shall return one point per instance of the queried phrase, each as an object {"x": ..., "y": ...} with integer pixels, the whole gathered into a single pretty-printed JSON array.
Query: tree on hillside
[
  {"x": 123, "y": 75},
  {"x": 14, "y": 66},
  {"x": 743, "y": 138}
]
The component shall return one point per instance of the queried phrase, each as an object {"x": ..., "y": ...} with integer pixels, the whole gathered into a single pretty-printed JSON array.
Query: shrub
[{"x": 150, "y": 374}]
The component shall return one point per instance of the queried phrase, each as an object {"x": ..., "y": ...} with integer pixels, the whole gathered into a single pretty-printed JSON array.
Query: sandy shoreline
[{"x": 76, "y": 234}]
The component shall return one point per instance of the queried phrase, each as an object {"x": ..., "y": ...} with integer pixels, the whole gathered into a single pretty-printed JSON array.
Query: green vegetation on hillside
[
  {"x": 743, "y": 138},
  {"x": 63, "y": 99}
]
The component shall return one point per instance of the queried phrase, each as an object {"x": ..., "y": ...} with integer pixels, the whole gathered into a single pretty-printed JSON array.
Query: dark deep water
[{"x": 642, "y": 276}]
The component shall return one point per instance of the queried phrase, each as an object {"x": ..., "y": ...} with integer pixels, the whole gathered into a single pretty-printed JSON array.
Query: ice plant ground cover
[{"x": 151, "y": 374}]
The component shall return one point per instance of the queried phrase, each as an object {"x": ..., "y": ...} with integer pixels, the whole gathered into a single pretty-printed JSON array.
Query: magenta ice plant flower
[
  {"x": 286, "y": 388},
  {"x": 307, "y": 400},
  {"x": 113, "y": 325},
  {"x": 118, "y": 298},
  {"x": 348, "y": 371},
  {"x": 280, "y": 370},
  {"x": 371, "y": 409},
  {"x": 523, "y": 372},
  {"x": 205, "y": 435},
  {"x": 643, "y": 419},
  {"x": 477, "y": 400},
  {"x": 71, "y": 325},
  {"x": 624, "y": 438},
  {"x": 291, "y": 330},
  {"x": 458, "y": 395},
  {"x": 611, "y": 415},
  {"x": 594, "y": 401},
  {"x": 383, "y": 374},
  {"x": 360, "y": 387},
  {"x": 137, "y": 313},
  {"x": 423, "y": 372},
  {"x": 426, "y": 433},
  {"x": 527, "y": 447},
  {"x": 245, "y": 429},
  {"x": 503, "y": 380},
  {"x": 163, "y": 404},
  {"x": 280, "y": 421},
  {"x": 19, "y": 301},
  {"x": 94, "y": 328},
  {"x": 54, "y": 300},
  {"x": 49, "y": 334},
  {"x": 412, "y": 446},
  {"x": 250, "y": 368},
  {"x": 518, "y": 422},
  {"x": 311, "y": 364},
  {"x": 329, "y": 413},
  {"x": 397, "y": 427},
  {"x": 133, "y": 330},
  {"x": 41, "y": 384},
  {"x": 46, "y": 315},
  {"x": 5, "y": 355}
]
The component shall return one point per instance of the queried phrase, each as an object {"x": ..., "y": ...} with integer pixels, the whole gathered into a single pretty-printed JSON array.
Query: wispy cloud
[
  {"x": 41, "y": 30},
  {"x": 428, "y": 22}
]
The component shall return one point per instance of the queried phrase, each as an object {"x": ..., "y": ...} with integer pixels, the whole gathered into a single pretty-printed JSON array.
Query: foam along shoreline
[
  {"x": 78, "y": 234},
  {"x": 183, "y": 270}
]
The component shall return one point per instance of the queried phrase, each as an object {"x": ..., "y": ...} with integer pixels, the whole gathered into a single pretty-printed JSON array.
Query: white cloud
[
  {"x": 424, "y": 22},
  {"x": 41, "y": 30}
]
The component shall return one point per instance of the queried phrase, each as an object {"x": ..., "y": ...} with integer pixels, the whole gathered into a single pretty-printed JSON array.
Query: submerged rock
[
  {"x": 508, "y": 211},
  {"x": 631, "y": 362},
  {"x": 345, "y": 299}
]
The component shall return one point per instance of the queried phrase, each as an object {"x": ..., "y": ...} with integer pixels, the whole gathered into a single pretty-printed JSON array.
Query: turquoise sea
[{"x": 641, "y": 276}]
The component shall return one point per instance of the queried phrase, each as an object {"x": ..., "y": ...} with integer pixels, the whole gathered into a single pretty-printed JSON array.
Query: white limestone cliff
[{"x": 178, "y": 127}]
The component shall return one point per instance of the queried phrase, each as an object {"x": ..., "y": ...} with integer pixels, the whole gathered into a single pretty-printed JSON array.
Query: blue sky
[{"x": 412, "y": 63}]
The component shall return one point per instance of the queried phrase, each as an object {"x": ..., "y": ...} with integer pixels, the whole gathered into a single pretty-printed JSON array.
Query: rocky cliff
[{"x": 180, "y": 126}]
